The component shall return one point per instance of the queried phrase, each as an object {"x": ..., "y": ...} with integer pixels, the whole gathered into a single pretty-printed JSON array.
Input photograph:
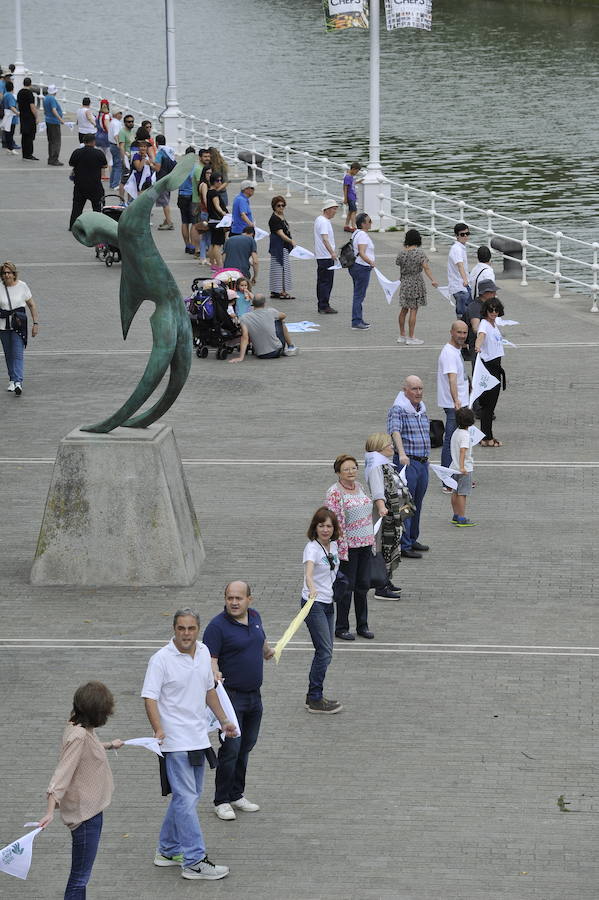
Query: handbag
[
  {"x": 377, "y": 574},
  {"x": 341, "y": 582},
  {"x": 17, "y": 320}
]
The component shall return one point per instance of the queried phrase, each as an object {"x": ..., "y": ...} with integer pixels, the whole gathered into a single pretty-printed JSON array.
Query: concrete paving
[{"x": 471, "y": 712}]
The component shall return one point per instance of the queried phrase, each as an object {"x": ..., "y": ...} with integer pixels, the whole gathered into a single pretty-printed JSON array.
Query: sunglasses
[
  {"x": 281, "y": 205},
  {"x": 464, "y": 234}
]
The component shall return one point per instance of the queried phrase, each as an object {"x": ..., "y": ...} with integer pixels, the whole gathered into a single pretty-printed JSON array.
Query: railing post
[
  {"x": 524, "y": 243},
  {"x": 595, "y": 287},
  {"x": 490, "y": 231},
  {"x": 382, "y": 199},
  {"x": 325, "y": 177},
  {"x": 64, "y": 90},
  {"x": 270, "y": 159},
  {"x": 235, "y": 148},
  {"x": 406, "y": 204},
  {"x": 206, "y": 135},
  {"x": 462, "y": 206},
  {"x": 220, "y": 138},
  {"x": 558, "y": 256},
  {"x": 306, "y": 183},
  {"x": 288, "y": 173},
  {"x": 127, "y": 106},
  {"x": 253, "y": 151},
  {"x": 433, "y": 221}
]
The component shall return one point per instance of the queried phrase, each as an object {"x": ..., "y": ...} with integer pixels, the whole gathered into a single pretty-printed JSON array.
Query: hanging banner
[
  {"x": 408, "y": 14},
  {"x": 339, "y": 14}
]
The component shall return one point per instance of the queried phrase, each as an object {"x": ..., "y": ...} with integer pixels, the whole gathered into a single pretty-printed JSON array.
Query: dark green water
[{"x": 496, "y": 104}]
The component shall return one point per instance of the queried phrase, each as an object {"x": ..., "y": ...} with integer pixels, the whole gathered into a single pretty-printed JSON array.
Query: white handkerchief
[
  {"x": 260, "y": 233},
  {"x": 377, "y": 526},
  {"x": 70, "y": 125},
  {"x": 213, "y": 723},
  {"x": 41, "y": 128},
  {"x": 402, "y": 475},
  {"x": 476, "y": 434},
  {"x": 226, "y": 220},
  {"x": 501, "y": 322},
  {"x": 301, "y": 253},
  {"x": 389, "y": 287},
  {"x": 336, "y": 266},
  {"x": 302, "y": 326},
  {"x": 444, "y": 291},
  {"x": 15, "y": 858},
  {"x": 507, "y": 343},
  {"x": 482, "y": 380},
  {"x": 150, "y": 743},
  {"x": 444, "y": 474}
]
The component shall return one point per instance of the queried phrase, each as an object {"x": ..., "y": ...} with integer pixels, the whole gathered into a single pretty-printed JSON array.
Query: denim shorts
[{"x": 464, "y": 484}]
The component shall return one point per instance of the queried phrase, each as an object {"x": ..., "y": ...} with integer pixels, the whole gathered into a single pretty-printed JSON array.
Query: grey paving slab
[{"x": 472, "y": 711}]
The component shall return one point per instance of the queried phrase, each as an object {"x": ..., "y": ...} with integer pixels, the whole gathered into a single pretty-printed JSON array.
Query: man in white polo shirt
[
  {"x": 452, "y": 384},
  {"x": 178, "y": 685},
  {"x": 324, "y": 250},
  {"x": 457, "y": 269}
]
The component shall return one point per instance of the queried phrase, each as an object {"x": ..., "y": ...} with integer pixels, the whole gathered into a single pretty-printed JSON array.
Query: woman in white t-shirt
[
  {"x": 361, "y": 269},
  {"x": 321, "y": 563},
  {"x": 15, "y": 296},
  {"x": 489, "y": 343}
]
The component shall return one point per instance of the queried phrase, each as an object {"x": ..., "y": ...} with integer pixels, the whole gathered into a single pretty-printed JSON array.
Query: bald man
[
  {"x": 238, "y": 648},
  {"x": 409, "y": 427},
  {"x": 452, "y": 384}
]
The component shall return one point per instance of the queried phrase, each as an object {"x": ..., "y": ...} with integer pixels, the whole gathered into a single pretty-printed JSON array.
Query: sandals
[
  {"x": 492, "y": 442},
  {"x": 286, "y": 296}
]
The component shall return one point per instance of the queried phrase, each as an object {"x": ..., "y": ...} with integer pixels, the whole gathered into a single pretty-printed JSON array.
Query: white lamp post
[
  {"x": 172, "y": 115},
  {"x": 374, "y": 182},
  {"x": 20, "y": 70}
]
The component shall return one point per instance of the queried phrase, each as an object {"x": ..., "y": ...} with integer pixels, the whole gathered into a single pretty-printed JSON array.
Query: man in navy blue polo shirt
[{"x": 238, "y": 647}]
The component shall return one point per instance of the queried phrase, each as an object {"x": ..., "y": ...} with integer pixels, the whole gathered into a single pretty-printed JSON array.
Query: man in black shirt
[
  {"x": 28, "y": 114},
  {"x": 87, "y": 163}
]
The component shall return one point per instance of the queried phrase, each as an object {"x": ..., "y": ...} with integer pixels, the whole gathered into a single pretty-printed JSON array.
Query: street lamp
[
  {"x": 20, "y": 70},
  {"x": 172, "y": 115}
]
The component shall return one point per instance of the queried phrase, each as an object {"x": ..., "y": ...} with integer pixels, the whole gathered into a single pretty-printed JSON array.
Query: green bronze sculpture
[{"x": 145, "y": 276}]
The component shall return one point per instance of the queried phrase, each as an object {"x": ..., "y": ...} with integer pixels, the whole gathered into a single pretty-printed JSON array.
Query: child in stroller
[
  {"x": 107, "y": 252},
  {"x": 211, "y": 322}
]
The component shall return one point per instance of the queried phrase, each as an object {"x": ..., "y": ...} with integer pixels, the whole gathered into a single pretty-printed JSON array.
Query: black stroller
[
  {"x": 211, "y": 323},
  {"x": 108, "y": 253}
]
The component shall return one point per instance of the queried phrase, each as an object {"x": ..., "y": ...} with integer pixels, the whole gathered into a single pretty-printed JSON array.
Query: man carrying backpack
[{"x": 165, "y": 163}]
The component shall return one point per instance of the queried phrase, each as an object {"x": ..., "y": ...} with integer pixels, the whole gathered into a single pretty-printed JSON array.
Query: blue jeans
[
  {"x": 417, "y": 478},
  {"x": 450, "y": 427},
  {"x": 205, "y": 239},
  {"x": 234, "y": 752},
  {"x": 117, "y": 167},
  {"x": 462, "y": 299},
  {"x": 360, "y": 276},
  {"x": 86, "y": 838},
  {"x": 14, "y": 348},
  {"x": 321, "y": 625},
  {"x": 181, "y": 831}
]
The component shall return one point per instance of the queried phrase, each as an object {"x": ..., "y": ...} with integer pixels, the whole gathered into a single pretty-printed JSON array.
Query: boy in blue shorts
[
  {"x": 461, "y": 460},
  {"x": 350, "y": 197}
]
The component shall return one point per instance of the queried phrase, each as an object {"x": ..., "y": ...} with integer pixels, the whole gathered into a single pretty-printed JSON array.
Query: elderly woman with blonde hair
[{"x": 392, "y": 503}]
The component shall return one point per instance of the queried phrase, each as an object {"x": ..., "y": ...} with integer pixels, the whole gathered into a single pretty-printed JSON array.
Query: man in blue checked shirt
[{"x": 409, "y": 427}]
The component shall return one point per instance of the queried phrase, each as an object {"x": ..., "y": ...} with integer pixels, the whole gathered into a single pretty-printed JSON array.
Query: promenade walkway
[{"x": 471, "y": 712}]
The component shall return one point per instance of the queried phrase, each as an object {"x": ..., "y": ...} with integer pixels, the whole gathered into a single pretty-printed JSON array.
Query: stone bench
[{"x": 512, "y": 248}]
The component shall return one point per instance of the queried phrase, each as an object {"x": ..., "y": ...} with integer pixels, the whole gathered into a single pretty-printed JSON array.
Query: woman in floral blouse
[{"x": 353, "y": 508}]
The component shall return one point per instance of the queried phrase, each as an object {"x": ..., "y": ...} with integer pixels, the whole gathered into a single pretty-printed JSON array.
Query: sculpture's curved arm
[{"x": 93, "y": 228}]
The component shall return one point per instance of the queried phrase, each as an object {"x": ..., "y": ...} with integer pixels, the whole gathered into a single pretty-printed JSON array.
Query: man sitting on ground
[{"x": 264, "y": 327}]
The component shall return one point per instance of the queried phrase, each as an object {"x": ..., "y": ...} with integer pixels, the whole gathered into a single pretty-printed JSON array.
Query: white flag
[
  {"x": 402, "y": 476},
  {"x": 501, "y": 322},
  {"x": 337, "y": 265},
  {"x": 389, "y": 287},
  {"x": 301, "y": 253},
  {"x": 444, "y": 291},
  {"x": 41, "y": 128},
  {"x": 482, "y": 380},
  {"x": 507, "y": 343},
  {"x": 226, "y": 220},
  {"x": 259, "y": 233},
  {"x": 444, "y": 474},
  {"x": 15, "y": 858},
  {"x": 150, "y": 743},
  {"x": 476, "y": 434},
  {"x": 213, "y": 723},
  {"x": 408, "y": 14}
]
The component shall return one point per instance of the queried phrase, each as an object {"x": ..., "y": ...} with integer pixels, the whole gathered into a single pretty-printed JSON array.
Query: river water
[{"x": 494, "y": 105}]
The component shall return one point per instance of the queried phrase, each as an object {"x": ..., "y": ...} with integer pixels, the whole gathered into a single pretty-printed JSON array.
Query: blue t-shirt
[
  {"x": 238, "y": 649},
  {"x": 50, "y": 105},
  {"x": 242, "y": 305},
  {"x": 351, "y": 190},
  {"x": 186, "y": 188},
  {"x": 11, "y": 100},
  {"x": 241, "y": 204}
]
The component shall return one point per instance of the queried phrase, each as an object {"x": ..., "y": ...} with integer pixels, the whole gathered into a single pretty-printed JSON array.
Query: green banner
[{"x": 340, "y": 14}]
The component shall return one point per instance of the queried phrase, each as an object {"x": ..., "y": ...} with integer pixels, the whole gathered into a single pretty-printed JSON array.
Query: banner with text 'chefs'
[
  {"x": 340, "y": 14},
  {"x": 409, "y": 14}
]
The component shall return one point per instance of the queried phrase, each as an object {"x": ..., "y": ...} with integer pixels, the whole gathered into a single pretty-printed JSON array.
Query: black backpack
[
  {"x": 166, "y": 166},
  {"x": 347, "y": 254},
  {"x": 437, "y": 429}
]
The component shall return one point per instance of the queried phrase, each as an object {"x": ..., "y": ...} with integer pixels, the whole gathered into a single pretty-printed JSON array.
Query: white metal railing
[{"x": 309, "y": 174}]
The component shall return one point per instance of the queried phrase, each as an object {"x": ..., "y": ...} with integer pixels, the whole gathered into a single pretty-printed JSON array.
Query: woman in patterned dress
[
  {"x": 412, "y": 261},
  {"x": 353, "y": 508}
]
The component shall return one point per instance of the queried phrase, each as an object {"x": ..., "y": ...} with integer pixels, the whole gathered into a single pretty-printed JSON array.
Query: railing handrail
[{"x": 297, "y": 168}]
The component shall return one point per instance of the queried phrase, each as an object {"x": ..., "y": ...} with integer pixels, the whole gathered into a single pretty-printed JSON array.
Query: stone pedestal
[
  {"x": 375, "y": 195},
  {"x": 118, "y": 512}
]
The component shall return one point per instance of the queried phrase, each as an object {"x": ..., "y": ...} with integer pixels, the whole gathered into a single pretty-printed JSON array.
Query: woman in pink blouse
[
  {"x": 82, "y": 783},
  {"x": 353, "y": 508}
]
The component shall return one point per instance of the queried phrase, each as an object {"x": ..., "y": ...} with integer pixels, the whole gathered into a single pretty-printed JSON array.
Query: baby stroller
[
  {"x": 211, "y": 323},
  {"x": 108, "y": 253}
]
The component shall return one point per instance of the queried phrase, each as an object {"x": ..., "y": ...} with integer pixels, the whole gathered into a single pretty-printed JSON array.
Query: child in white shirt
[{"x": 461, "y": 460}]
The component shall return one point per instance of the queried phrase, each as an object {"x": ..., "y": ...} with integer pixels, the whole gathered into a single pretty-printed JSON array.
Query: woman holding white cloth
[
  {"x": 489, "y": 344},
  {"x": 361, "y": 269},
  {"x": 387, "y": 492}
]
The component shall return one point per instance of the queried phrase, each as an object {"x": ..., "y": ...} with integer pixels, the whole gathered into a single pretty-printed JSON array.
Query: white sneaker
[
  {"x": 225, "y": 811},
  {"x": 18, "y": 388},
  {"x": 245, "y": 804},
  {"x": 11, "y": 386},
  {"x": 401, "y": 339},
  {"x": 14, "y": 152},
  {"x": 414, "y": 341},
  {"x": 291, "y": 350},
  {"x": 205, "y": 869}
]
